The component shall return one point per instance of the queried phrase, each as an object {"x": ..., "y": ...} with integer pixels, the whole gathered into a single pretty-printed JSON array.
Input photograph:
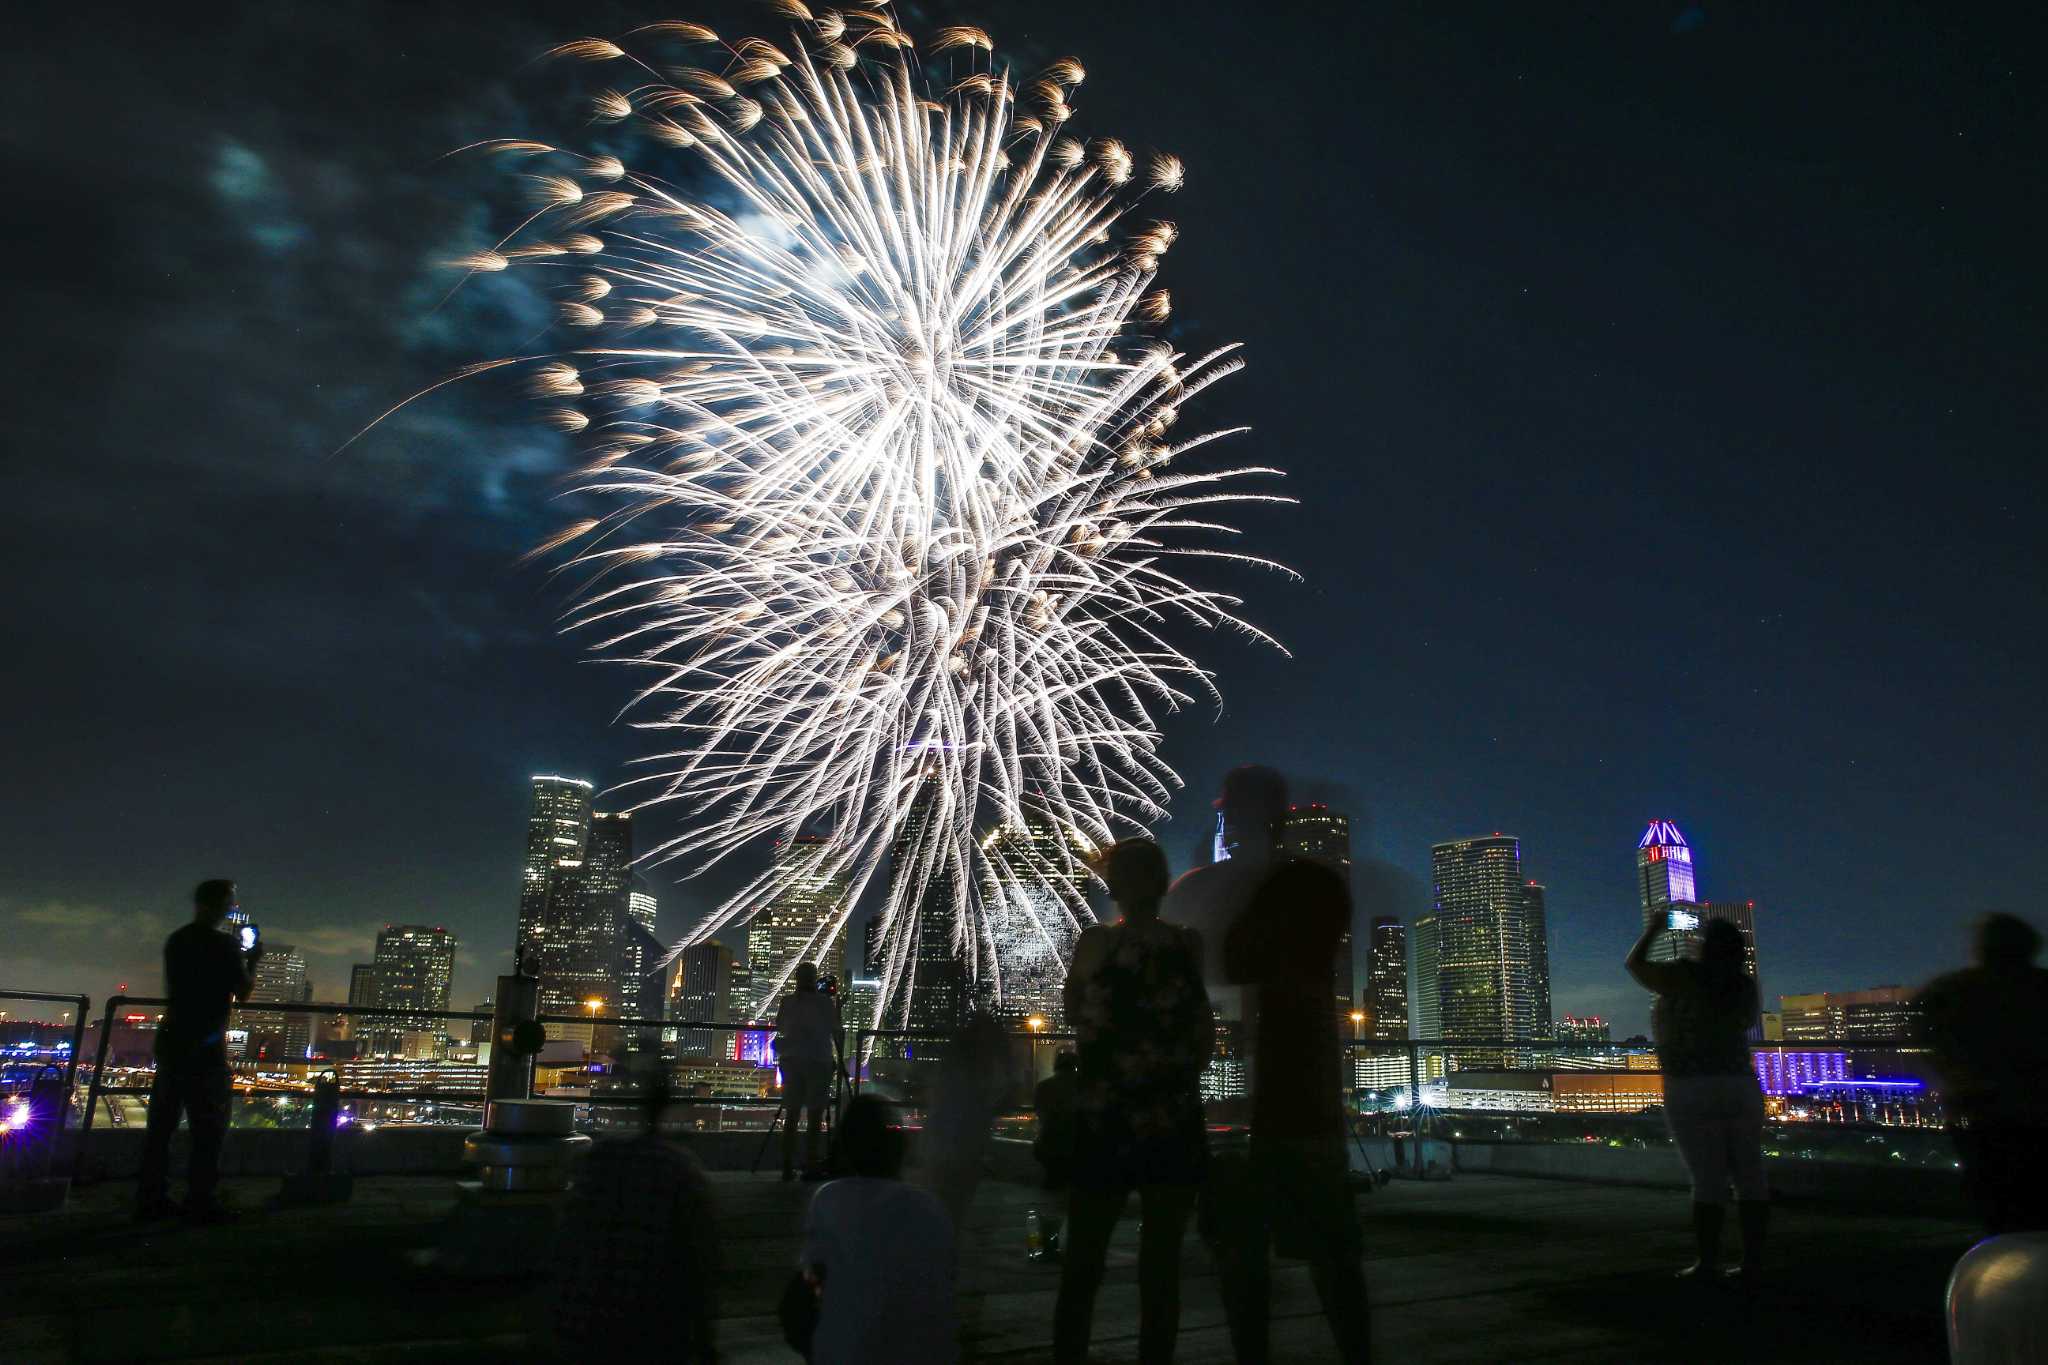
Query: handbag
[{"x": 798, "y": 1313}]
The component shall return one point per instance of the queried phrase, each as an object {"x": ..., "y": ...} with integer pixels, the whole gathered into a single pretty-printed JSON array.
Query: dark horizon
[{"x": 1659, "y": 387}]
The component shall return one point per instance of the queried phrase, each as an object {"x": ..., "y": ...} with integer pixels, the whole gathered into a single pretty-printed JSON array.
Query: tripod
[{"x": 831, "y": 1112}]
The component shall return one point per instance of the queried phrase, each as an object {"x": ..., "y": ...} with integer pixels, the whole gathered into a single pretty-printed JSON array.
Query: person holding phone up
[
  {"x": 205, "y": 972},
  {"x": 1712, "y": 1100}
]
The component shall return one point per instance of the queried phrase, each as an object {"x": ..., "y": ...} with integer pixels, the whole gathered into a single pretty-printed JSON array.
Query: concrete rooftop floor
[{"x": 1482, "y": 1268}]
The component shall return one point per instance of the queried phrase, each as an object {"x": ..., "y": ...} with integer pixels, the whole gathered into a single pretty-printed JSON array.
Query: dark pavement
[{"x": 1483, "y": 1268}]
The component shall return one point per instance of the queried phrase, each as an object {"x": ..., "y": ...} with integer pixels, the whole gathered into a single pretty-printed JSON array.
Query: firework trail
[{"x": 897, "y": 521}]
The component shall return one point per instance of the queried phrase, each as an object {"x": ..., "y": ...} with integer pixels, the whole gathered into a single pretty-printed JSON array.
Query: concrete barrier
[{"x": 1910, "y": 1189}]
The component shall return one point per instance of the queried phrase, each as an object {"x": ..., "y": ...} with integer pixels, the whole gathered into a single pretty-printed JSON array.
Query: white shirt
[
  {"x": 887, "y": 1252},
  {"x": 1209, "y": 900}
]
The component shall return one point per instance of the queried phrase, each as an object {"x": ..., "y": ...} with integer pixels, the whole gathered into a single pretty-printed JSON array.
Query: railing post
[
  {"x": 517, "y": 1002},
  {"x": 1415, "y": 1101},
  {"x": 92, "y": 1090},
  {"x": 77, "y": 1042}
]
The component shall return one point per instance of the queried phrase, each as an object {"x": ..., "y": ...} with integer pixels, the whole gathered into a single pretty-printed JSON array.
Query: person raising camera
[
  {"x": 806, "y": 1048},
  {"x": 205, "y": 972}
]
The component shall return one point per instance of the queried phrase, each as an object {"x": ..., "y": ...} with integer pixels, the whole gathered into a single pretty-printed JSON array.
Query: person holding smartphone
[
  {"x": 205, "y": 972},
  {"x": 1712, "y": 1099}
]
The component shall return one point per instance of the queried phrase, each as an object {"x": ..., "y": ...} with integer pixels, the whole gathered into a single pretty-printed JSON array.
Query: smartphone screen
[
  {"x": 248, "y": 937},
  {"x": 1684, "y": 919}
]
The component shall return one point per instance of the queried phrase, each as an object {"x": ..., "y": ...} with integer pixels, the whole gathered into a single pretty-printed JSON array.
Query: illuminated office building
[
  {"x": 1667, "y": 890},
  {"x": 1741, "y": 914},
  {"x": 1664, "y": 885},
  {"x": 556, "y": 831},
  {"x": 1535, "y": 912},
  {"x": 586, "y": 957},
  {"x": 1031, "y": 883},
  {"x": 275, "y": 1035},
  {"x": 1317, "y": 833},
  {"x": 804, "y": 923},
  {"x": 1591, "y": 1029},
  {"x": 698, "y": 989},
  {"x": 1427, "y": 947},
  {"x": 1385, "y": 1007},
  {"x": 1486, "y": 959},
  {"x": 938, "y": 966},
  {"x": 1386, "y": 980},
  {"x": 642, "y": 908},
  {"x": 1879, "y": 1014},
  {"x": 414, "y": 967}
]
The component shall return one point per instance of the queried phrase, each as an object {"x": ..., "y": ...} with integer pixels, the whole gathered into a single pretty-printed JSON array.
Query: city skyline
[
  {"x": 644, "y": 967},
  {"x": 1547, "y": 346}
]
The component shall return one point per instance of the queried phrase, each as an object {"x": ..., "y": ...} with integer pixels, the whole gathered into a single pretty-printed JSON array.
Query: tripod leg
[{"x": 766, "y": 1138}]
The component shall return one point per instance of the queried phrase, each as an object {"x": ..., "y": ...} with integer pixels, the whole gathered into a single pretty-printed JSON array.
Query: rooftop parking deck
[{"x": 1480, "y": 1268}]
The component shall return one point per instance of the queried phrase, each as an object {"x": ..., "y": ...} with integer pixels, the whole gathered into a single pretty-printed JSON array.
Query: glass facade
[
  {"x": 1486, "y": 956},
  {"x": 1386, "y": 980},
  {"x": 414, "y": 968},
  {"x": 1032, "y": 907},
  {"x": 1664, "y": 883},
  {"x": 556, "y": 831},
  {"x": 806, "y": 922}
]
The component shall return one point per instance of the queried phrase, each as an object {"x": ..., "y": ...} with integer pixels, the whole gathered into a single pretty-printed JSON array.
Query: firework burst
[{"x": 897, "y": 516}]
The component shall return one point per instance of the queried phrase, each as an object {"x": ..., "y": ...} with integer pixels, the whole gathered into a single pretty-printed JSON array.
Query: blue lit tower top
[{"x": 1664, "y": 870}]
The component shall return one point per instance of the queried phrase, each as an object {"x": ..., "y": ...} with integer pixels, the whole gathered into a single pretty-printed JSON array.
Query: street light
[
  {"x": 1036, "y": 1023},
  {"x": 1357, "y": 1035}
]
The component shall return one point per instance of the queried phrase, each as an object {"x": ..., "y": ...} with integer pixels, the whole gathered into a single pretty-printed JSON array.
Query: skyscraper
[
  {"x": 938, "y": 965},
  {"x": 642, "y": 907},
  {"x": 802, "y": 923},
  {"x": 1486, "y": 982},
  {"x": 1031, "y": 880},
  {"x": 699, "y": 990},
  {"x": 556, "y": 831},
  {"x": 414, "y": 968},
  {"x": 275, "y": 1035},
  {"x": 1535, "y": 911},
  {"x": 1385, "y": 1007},
  {"x": 1427, "y": 945},
  {"x": 1664, "y": 884},
  {"x": 582, "y": 949},
  {"x": 1667, "y": 882},
  {"x": 1317, "y": 833},
  {"x": 1386, "y": 980},
  {"x": 1741, "y": 914}
]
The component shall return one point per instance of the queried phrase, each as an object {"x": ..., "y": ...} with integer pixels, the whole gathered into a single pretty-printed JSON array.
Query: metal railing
[
  {"x": 81, "y": 1007},
  {"x": 96, "y": 1088}
]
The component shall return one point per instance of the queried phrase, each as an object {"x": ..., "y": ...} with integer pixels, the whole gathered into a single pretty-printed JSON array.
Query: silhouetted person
[
  {"x": 205, "y": 972},
  {"x": 638, "y": 1250},
  {"x": 1053, "y": 1139},
  {"x": 1134, "y": 996},
  {"x": 806, "y": 1043},
  {"x": 1282, "y": 949},
  {"x": 879, "y": 1253},
  {"x": 1701, "y": 1021},
  {"x": 1985, "y": 1025}
]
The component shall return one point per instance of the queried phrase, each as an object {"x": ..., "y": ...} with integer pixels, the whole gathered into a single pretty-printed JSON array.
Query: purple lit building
[{"x": 1783, "y": 1073}]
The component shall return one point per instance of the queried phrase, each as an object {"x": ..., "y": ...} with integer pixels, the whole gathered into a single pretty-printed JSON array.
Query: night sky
[{"x": 1662, "y": 388}]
